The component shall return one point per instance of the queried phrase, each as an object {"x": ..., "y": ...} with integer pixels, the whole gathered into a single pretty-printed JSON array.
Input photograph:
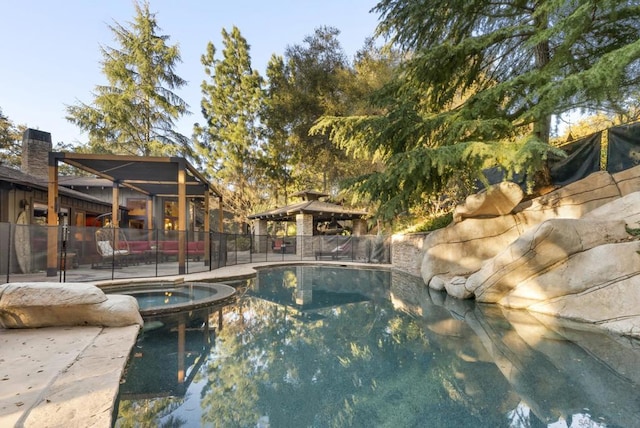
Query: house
[{"x": 24, "y": 201}]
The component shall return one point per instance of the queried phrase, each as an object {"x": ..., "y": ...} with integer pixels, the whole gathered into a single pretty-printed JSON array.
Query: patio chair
[{"x": 112, "y": 247}]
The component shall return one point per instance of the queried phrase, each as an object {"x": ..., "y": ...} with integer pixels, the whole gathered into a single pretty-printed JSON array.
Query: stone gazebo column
[
  {"x": 260, "y": 236},
  {"x": 359, "y": 227},
  {"x": 304, "y": 227}
]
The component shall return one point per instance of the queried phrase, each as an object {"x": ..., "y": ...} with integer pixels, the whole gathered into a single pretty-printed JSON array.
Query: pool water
[{"x": 333, "y": 347}]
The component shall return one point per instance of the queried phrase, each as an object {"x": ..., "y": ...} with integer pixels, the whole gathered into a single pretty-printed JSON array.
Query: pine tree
[
  {"x": 276, "y": 155},
  {"x": 136, "y": 112},
  {"x": 480, "y": 85},
  {"x": 10, "y": 141},
  {"x": 228, "y": 141}
]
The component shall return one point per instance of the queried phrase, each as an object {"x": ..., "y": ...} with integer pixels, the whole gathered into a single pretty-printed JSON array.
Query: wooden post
[
  {"x": 207, "y": 228},
  {"x": 149, "y": 213},
  {"x": 52, "y": 218},
  {"x": 115, "y": 215},
  {"x": 220, "y": 215},
  {"x": 182, "y": 220}
]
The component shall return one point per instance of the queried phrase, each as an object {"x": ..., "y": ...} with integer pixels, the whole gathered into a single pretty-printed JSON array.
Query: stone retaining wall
[{"x": 406, "y": 252}]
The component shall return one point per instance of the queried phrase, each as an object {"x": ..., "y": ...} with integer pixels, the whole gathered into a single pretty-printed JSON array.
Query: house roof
[
  {"x": 83, "y": 182},
  {"x": 150, "y": 175},
  {"x": 22, "y": 179}
]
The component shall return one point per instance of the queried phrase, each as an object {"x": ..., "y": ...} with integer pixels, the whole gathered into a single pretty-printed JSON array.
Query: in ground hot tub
[{"x": 167, "y": 298}]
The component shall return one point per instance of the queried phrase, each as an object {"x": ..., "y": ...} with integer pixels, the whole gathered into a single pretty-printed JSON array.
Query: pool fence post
[{"x": 9, "y": 243}]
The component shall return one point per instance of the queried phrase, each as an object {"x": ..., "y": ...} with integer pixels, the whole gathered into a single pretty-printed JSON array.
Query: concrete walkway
[{"x": 70, "y": 376}]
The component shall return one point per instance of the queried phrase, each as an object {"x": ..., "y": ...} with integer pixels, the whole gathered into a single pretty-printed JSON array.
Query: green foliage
[
  {"x": 479, "y": 86},
  {"x": 633, "y": 231},
  {"x": 317, "y": 71},
  {"x": 435, "y": 223},
  {"x": 559, "y": 54},
  {"x": 136, "y": 111},
  {"x": 227, "y": 142},
  {"x": 10, "y": 141},
  {"x": 239, "y": 243},
  {"x": 313, "y": 79},
  {"x": 276, "y": 154}
]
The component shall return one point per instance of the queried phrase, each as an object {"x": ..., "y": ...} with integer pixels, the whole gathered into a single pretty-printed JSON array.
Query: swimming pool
[{"x": 322, "y": 347}]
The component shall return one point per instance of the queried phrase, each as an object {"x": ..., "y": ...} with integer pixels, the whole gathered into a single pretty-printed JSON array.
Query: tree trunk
[{"x": 542, "y": 125}]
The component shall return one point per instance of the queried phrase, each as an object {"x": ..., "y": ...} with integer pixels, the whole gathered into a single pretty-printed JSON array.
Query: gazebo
[
  {"x": 150, "y": 176},
  {"x": 312, "y": 217}
]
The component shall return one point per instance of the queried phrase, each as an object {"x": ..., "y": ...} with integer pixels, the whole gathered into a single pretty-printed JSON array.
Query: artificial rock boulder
[
  {"x": 628, "y": 181},
  {"x": 598, "y": 268},
  {"x": 462, "y": 248},
  {"x": 626, "y": 208},
  {"x": 30, "y": 305},
  {"x": 571, "y": 201},
  {"x": 537, "y": 251},
  {"x": 573, "y": 253},
  {"x": 496, "y": 200}
]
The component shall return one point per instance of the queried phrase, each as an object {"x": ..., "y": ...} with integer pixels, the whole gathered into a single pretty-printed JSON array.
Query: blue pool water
[{"x": 334, "y": 347}]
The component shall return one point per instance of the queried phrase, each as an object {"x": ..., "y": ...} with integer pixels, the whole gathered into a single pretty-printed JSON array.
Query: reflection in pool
[{"x": 324, "y": 347}]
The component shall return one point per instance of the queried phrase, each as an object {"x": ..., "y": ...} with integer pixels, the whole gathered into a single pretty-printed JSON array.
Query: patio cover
[
  {"x": 321, "y": 211},
  {"x": 149, "y": 175},
  {"x": 152, "y": 176}
]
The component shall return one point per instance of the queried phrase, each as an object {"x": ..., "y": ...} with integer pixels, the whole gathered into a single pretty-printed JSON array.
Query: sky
[{"x": 51, "y": 49}]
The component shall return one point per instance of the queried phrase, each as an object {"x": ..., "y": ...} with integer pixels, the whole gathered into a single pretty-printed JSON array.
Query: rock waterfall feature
[{"x": 572, "y": 253}]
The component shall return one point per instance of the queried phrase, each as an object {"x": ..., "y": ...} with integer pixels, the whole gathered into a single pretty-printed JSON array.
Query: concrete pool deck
[
  {"x": 61, "y": 376},
  {"x": 70, "y": 376}
]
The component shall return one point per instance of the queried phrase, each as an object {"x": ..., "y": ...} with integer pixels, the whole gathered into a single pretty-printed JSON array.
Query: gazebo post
[
  {"x": 220, "y": 216},
  {"x": 207, "y": 228},
  {"x": 260, "y": 232},
  {"x": 115, "y": 218},
  {"x": 52, "y": 217},
  {"x": 149, "y": 213},
  {"x": 222, "y": 247},
  {"x": 359, "y": 227},
  {"x": 182, "y": 220},
  {"x": 304, "y": 229}
]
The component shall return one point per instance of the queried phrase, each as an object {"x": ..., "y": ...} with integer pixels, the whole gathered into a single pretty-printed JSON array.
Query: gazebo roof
[
  {"x": 310, "y": 195},
  {"x": 323, "y": 211}
]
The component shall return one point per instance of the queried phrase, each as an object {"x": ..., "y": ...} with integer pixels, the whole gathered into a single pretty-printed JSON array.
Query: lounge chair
[
  {"x": 343, "y": 250},
  {"x": 112, "y": 247}
]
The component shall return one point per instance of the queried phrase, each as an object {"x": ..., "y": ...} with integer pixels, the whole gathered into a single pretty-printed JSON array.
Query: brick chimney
[{"x": 36, "y": 146}]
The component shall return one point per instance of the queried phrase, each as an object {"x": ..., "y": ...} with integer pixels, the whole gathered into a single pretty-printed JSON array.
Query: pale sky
[{"x": 51, "y": 48}]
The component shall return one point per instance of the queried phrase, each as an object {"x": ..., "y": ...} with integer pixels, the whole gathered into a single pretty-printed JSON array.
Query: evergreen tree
[
  {"x": 480, "y": 85},
  {"x": 315, "y": 79},
  {"x": 10, "y": 141},
  {"x": 318, "y": 70},
  {"x": 227, "y": 142},
  {"x": 276, "y": 157},
  {"x": 135, "y": 113}
]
